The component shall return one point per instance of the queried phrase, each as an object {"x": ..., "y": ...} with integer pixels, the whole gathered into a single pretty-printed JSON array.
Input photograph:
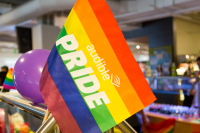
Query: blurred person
[
  {"x": 194, "y": 89},
  {"x": 4, "y": 69},
  {"x": 136, "y": 121},
  {"x": 3, "y": 73}
]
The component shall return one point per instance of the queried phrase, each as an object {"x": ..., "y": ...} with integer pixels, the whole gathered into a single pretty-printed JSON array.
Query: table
[{"x": 181, "y": 125}]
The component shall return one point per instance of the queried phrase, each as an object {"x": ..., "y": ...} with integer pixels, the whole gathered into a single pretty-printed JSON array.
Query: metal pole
[
  {"x": 125, "y": 127},
  {"x": 23, "y": 104},
  {"x": 110, "y": 131},
  {"x": 48, "y": 126}
]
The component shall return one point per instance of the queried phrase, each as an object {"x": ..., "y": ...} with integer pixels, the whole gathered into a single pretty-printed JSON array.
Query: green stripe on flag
[
  {"x": 105, "y": 119},
  {"x": 9, "y": 80}
]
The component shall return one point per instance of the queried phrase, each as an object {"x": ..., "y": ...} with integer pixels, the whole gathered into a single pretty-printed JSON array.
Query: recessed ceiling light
[{"x": 138, "y": 47}]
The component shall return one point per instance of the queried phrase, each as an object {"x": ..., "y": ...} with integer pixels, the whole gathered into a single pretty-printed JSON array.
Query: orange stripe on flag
[
  {"x": 123, "y": 53},
  {"x": 105, "y": 51},
  {"x": 10, "y": 72}
]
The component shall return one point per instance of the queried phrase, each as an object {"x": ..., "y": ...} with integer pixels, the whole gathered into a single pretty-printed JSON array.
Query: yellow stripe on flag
[
  {"x": 117, "y": 108},
  {"x": 9, "y": 76}
]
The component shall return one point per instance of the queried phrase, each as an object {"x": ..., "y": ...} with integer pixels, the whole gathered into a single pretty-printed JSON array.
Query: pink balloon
[{"x": 27, "y": 73}]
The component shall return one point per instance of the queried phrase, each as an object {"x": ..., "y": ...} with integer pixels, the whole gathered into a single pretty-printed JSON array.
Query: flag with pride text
[{"x": 91, "y": 81}]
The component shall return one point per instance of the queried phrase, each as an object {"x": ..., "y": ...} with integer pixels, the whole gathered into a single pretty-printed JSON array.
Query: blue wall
[{"x": 159, "y": 32}]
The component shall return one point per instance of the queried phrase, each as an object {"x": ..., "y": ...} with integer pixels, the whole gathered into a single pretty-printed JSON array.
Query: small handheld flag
[
  {"x": 8, "y": 82},
  {"x": 165, "y": 126},
  {"x": 91, "y": 81}
]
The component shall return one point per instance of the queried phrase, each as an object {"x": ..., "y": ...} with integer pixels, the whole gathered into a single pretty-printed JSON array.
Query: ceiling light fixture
[{"x": 138, "y": 47}]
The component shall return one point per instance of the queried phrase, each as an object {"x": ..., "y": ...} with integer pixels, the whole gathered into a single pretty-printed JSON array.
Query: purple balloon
[{"x": 27, "y": 73}]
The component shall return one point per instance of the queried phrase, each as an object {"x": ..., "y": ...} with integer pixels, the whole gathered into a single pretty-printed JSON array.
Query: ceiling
[
  {"x": 7, "y": 5},
  {"x": 128, "y": 13},
  {"x": 7, "y": 33}
]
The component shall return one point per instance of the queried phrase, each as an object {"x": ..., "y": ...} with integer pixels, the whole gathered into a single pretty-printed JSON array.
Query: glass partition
[{"x": 170, "y": 84}]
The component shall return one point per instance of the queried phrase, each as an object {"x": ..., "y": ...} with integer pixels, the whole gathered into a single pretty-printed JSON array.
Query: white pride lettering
[
  {"x": 99, "y": 62},
  {"x": 86, "y": 84}
]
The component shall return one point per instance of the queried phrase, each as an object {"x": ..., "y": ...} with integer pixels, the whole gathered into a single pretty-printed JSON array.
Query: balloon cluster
[{"x": 27, "y": 73}]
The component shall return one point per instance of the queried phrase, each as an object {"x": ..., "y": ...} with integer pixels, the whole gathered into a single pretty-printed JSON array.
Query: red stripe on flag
[
  {"x": 56, "y": 104},
  {"x": 161, "y": 127},
  {"x": 123, "y": 53}
]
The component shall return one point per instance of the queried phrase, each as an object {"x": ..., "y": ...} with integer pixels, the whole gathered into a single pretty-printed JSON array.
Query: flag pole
[
  {"x": 57, "y": 129},
  {"x": 48, "y": 125},
  {"x": 46, "y": 115},
  {"x": 125, "y": 127},
  {"x": 1, "y": 87},
  {"x": 110, "y": 130}
]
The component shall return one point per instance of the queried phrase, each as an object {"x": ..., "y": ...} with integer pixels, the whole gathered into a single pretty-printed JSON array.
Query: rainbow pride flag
[
  {"x": 8, "y": 82},
  {"x": 165, "y": 126},
  {"x": 91, "y": 81}
]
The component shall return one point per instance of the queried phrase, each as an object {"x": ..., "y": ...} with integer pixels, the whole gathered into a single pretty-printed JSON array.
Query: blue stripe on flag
[
  {"x": 8, "y": 83},
  {"x": 71, "y": 94}
]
